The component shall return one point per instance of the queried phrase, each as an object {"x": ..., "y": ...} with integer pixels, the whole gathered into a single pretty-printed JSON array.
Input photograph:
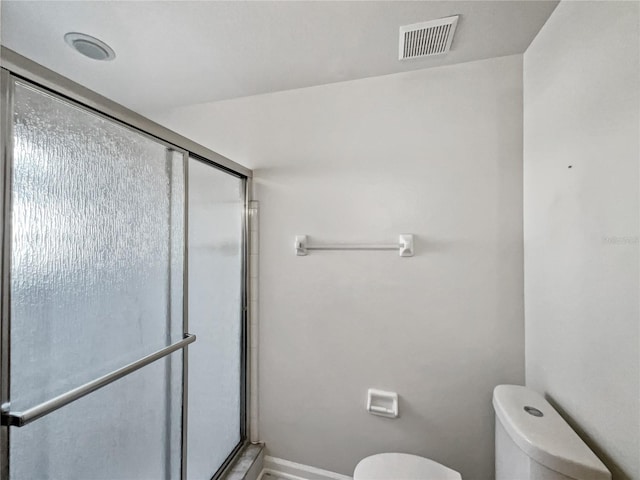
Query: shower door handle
[{"x": 20, "y": 419}]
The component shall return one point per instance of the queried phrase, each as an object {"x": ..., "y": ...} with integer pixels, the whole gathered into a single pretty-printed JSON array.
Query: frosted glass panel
[
  {"x": 96, "y": 283},
  {"x": 91, "y": 247},
  {"x": 216, "y": 205},
  {"x": 129, "y": 430}
]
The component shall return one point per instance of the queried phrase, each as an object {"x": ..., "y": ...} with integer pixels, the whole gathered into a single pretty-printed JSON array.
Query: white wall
[
  {"x": 581, "y": 103},
  {"x": 436, "y": 153}
]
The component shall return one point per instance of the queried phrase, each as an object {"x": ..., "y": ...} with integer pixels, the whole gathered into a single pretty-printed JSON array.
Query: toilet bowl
[{"x": 402, "y": 466}]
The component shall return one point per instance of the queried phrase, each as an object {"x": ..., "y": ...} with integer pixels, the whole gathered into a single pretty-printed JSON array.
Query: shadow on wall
[{"x": 616, "y": 471}]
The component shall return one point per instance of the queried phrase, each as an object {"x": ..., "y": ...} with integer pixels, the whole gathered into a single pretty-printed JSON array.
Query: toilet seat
[{"x": 402, "y": 466}]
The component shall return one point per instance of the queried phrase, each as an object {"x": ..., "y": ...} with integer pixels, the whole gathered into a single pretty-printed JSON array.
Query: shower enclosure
[{"x": 123, "y": 332}]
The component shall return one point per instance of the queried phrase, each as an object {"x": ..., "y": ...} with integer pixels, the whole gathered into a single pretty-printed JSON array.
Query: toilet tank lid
[{"x": 547, "y": 439}]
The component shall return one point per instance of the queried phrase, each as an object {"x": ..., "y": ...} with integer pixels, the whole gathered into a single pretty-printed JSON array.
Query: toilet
[
  {"x": 532, "y": 441},
  {"x": 402, "y": 466}
]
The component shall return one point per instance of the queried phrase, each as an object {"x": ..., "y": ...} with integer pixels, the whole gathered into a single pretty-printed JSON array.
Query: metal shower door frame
[{"x": 16, "y": 67}]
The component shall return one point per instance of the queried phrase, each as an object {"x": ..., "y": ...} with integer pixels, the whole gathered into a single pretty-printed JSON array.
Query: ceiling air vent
[{"x": 427, "y": 38}]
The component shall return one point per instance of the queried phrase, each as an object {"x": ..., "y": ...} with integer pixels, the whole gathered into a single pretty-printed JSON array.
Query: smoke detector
[
  {"x": 427, "y": 38},
  {"x": 89, "y": 46}
]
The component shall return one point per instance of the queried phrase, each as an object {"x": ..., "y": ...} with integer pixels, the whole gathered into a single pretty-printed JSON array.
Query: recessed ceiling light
[{"x": 89, "y": 46}]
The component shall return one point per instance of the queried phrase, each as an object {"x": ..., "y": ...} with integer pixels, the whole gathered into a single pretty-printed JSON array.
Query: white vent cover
[{"x": 427, "y": 38}]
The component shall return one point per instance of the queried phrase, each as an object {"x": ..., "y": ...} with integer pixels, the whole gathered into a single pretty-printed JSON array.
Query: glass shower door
[
  {"x": 216, "y": 296},
  {"x": 94, "y": 250}
]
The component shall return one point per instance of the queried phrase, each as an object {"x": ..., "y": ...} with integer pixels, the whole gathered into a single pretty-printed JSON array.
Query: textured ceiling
[{"x": 176, "y": 53}]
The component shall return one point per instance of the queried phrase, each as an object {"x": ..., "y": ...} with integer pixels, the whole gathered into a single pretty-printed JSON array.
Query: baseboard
[{"x": 277, "y": 468}]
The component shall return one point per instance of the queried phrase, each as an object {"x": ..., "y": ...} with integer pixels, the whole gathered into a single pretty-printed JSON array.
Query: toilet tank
[{"x": 533, "y": 442}]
